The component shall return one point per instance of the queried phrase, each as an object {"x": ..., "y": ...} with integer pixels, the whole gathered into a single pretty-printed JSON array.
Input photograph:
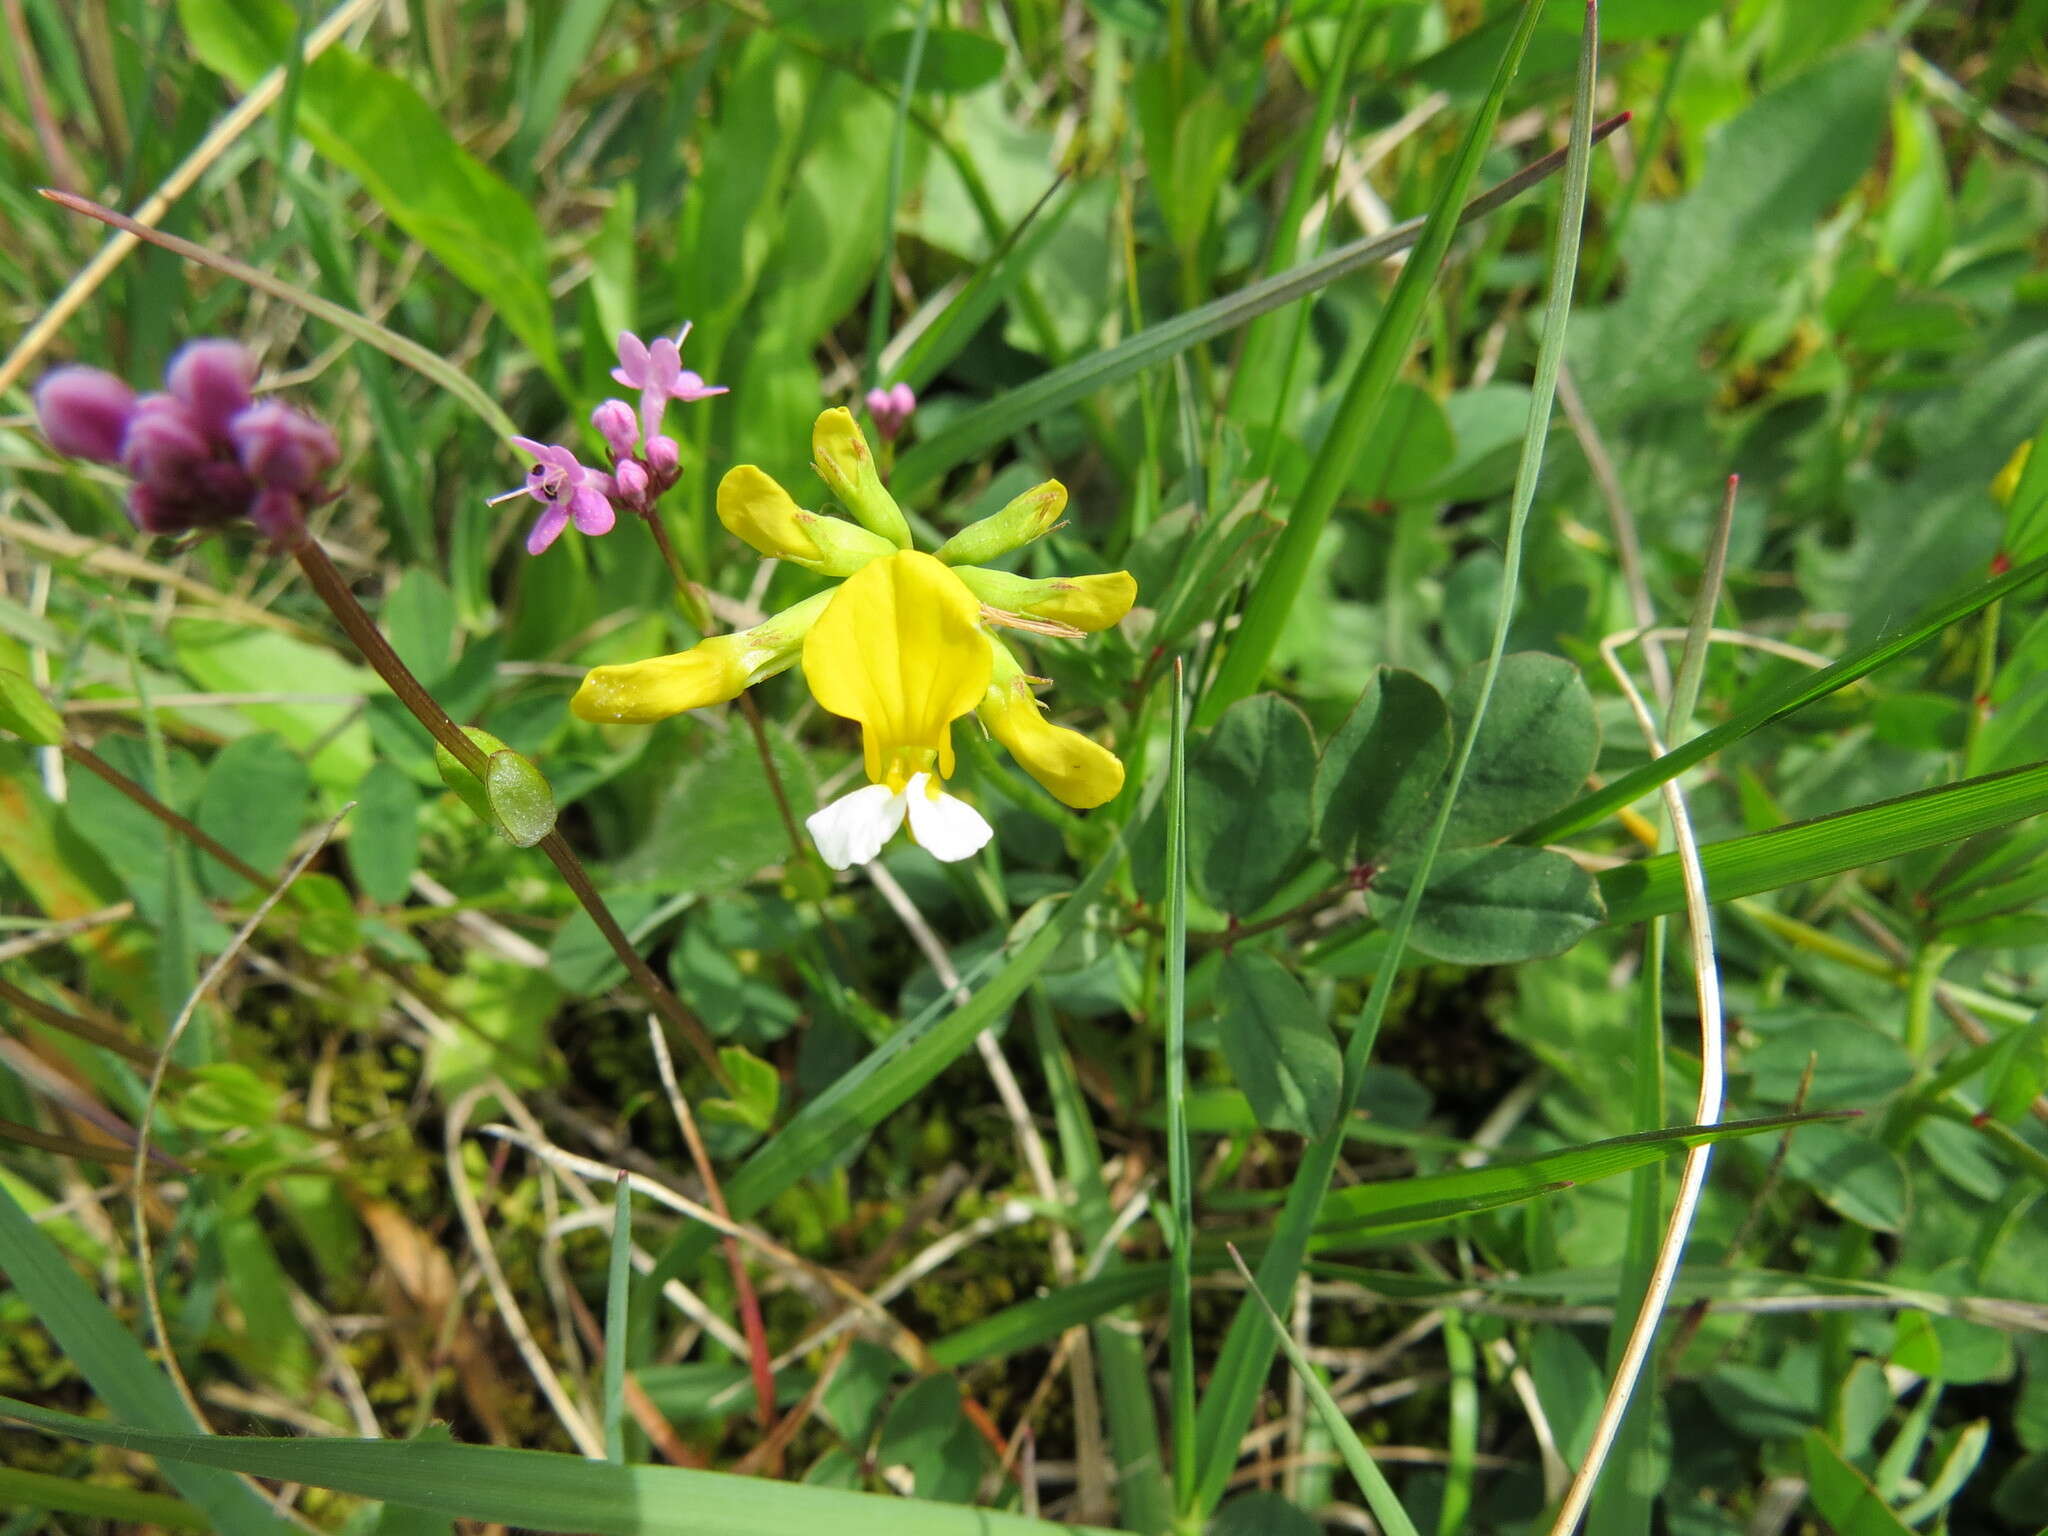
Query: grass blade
[
  {"x": 1828, "y": 845},
  {"x": 1247, "y": 1351},
  {"x": 1379, "y": 1493},
  {"x": 1017, "y": 409},
  {"x": 618, "y": 1297},
  {"x": 1788, "y": 697},
  {"x": 547, "y": 1491},
  {"x": 1279, "y": 584},
  {"x": 1180, "y": 1306}
]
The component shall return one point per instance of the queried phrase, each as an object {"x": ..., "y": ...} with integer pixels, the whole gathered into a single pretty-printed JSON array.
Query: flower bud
[
  {"x": 1075, "y": 770},
  {"x": 277, "y": 513},
  {"x": 1086, "y": 603},
  {"x": 710, "y": 672},
  {"x": 629, "y": 480},
  {"x": 211, "y": 379},
  {"x": 663, "y": 460},
  {"x": 164, "y": 445},
  {"x": 760, "y": 513},
  {"x": 845, "y": 463},
  {"x": 619, "y": 427},
  {"x": 84, "y": 412},
  {"x": 283, "y": 449},
  {"x": 891, "y": 409},
  {"x": 1024, "y": 519}
]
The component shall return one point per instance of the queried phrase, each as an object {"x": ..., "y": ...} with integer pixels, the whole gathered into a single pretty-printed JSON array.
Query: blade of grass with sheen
[
  {"x": 884, "y": 1080},
  {"x": 618, "y": 1297},
  {"x": 68, "y": 1496},
  {"x": 1828, "y": 845},
  {"x": 1180, "y": 1330},
  {"x": 1016, "y": 409},
  {"x": 549, "y": 1491},
  {"x": 1779, "y": 702},
  {"x": 1379, "y": 1493},
  {"x": 1278, "y": 586},
  {"x": 1247, "y": 1352},
  {"x": 121, "y": 1374}
]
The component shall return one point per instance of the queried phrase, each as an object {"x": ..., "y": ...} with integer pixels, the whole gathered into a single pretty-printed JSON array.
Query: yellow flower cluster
[{"x": 905, "y": 645}]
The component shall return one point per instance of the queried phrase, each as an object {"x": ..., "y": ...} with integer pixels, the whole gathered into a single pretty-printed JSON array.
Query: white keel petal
[
  {"x": 852, "y": 829},
  {"x": 946, "y": 827}
]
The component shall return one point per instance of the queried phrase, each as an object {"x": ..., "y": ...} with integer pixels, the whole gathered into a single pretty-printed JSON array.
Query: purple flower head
[
  {"x": 891, "y": 409},
  {"x": 165, "y": 445},
  {"x": 656, "y": 370},
  {"x": 619, "y": 428},
  {"x": 211, "y": 379},
  {"x": 567, "y": 490},
  {"x": 84, "y": 412}
]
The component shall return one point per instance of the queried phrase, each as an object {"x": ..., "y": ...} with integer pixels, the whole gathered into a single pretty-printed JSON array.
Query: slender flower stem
[
  {"x": 695, "y": 606},
  {"x": 349, "y": 613},
  {"x": 93, "y": 763}
]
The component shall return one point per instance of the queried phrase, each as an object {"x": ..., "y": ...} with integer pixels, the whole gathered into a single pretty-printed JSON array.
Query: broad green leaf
[
  {"x": 955, "y": 61},
  {"x": 24, "y": 711},
  {"x": 1248, "y": 802},
  {"x": 1855, "y": 1065},
  {"x": 717, "y": 826},
  {"x": 541, "y": 1490},
  {"x": 1407, "y": 450},
  {"x": 1843, "y": 1496},
  {"x": 521, "y": 799},
  {"x": 1827, "y": 845},
  {"x": 253, "y": 801},
  {"x": 1279, "y": 1048},
  {"x": 233, "y": 658},
  {"x": 1852, "y": 1174},
  {"x": 2017, "y": 1072},
  {"x": 1263, "y": 1514},
  {"x": 1495, "y": 906},
  {"x": 1379, "y": 767},
  {"x": 380, "y": 130},
  {"x": 758, "y": 1091},
  {"x": 927, "y": 1431},
  {"x": 384, "y": 834},
  {"x": 1534, "y": 752},
  {"x": 121, "y": 1374}
]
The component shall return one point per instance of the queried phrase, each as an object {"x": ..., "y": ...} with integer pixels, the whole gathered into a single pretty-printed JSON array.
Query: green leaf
[
  {"x": 1279, "y": 1048},
  {"x": 540, "y": 1490},
  {"x": 21, "y": 1491},
  {"x": 1407, "y": 449},
  {"x": 1852, "y": 1174},
  {"x": 121, "y": 1374},
  {"x": 1248, "y": 802},
  {"x": 955, "y": 61},
  {"x": 1535, "y": 750},
  {"x": 1843, "y": 1496},
  {"x": 1379, "y": 767},
  {"x": 1828, "y": 845},
  {"x": 1494, "y": 906},
  {"x": 384, "y": 834},
  {"x": 254, "y": 802},
  {"x": 521, "y": 799},
  {"x": 928, "y": 1432},
  {"x": 757, "y": 1091},
  {"x": 2017, "y": 1072},
  {"x": 1915, "y": 1345},
  {"x": 24, "y": 711},
  {"x": 1263, "y": 1514},
  {"x": 381, "y": 131},
  {"x": 717, "y": 826},
  {"x": 1856, "y": 1065}
]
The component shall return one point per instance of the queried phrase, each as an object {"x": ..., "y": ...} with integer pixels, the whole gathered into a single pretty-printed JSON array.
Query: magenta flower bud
[
  {"x": 164, "y": 445},
  {"x": 283, "y": 449},
  {"x": 890, "y": 408},
  {"x": 630, "y": 481},
  {"x": 663, "y": 459},
  {"x": 212, "y": 379},
  {"x": 278, "y": 514},
  {"x": 84, "y": 412},
  {"x": 618, "y": 426}
]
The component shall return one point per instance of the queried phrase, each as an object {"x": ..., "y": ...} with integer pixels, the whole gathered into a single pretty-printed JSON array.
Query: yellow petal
[
  {"x": 1077, "y": 771},
  {"x": 1086, "y": 603},
  {"x": 761, "y": 514},
  {"x": 710, "y": 672},
  {"x": 900, "y": 648}
]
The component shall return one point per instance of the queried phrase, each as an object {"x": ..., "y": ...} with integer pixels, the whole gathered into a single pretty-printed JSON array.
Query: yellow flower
[
  {"x": 1078, "y": 771},
  {"x": 902, "y": 645}
]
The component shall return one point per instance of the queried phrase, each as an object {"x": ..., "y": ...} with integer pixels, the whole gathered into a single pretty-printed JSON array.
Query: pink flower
[
  {"x": 891, "y": 409},
  {"x": 568, "y": 491},
  {"x": 84, "y": 412},
  {"x": 657, "y": 371},
  {"x": 211, "y": 378}
]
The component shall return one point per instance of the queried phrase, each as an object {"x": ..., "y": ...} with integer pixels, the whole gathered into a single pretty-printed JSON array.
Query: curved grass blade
[
  {"x": 121, "y": 1374},
  {"x": 1247, "y": 1353},
  {"x": 1781, "y": 701},
  {"x": 1180, "y": 1331},
  {"x": 1828, "y": 845},
  {"x": 1017, "y": 409},
  {"x": 21, "y": 1490},
  {"x": 548, "y": 1491},
  {"x": 884, "y": 1080}
]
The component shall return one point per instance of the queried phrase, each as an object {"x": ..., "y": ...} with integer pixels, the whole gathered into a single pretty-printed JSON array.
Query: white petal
[
  {"x": 947, "y": 828},
  {"x": 852, "y": 829}
]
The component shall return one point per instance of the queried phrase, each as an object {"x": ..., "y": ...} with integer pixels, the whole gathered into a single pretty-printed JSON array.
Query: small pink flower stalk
[
  {"x": 204, "y": 452},
  {"x": 890, "y": 409},
  {"x": 644, "y": 462}
]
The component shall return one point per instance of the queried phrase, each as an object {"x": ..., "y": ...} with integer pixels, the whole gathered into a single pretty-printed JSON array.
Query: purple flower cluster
[
  {"x": 202, "y": 453},
  {"x": 890, "y": 409},
  {"x": 644, "y": 462}
]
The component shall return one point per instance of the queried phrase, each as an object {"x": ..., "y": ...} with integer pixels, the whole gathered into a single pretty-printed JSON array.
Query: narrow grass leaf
[
  {"x": 618, "y": 1297},
  {"x": 22, "y": 1491},
  {"x": 1180, "y": 1304}
]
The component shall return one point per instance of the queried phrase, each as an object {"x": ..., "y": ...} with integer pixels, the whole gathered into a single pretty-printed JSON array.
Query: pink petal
[
  {"x": 547, "y": 528},
  {"x": 592, "y": 512},
  {"x": 632, "y": 360}
]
